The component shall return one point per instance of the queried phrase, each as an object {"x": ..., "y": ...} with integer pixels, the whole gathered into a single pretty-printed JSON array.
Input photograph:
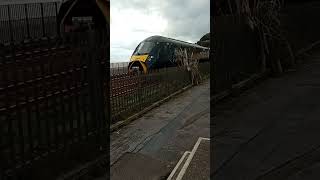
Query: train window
[
  {"x": 165, "y": 49},
  {"x": 144, "y": 48}
]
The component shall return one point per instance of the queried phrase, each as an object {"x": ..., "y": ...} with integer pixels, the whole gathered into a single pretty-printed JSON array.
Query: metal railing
[
  {"x": 118, "y": 68},
  {"x": 54, "y": 100},
  {"x": 54, "y": 97},
  {"x": 132, "y": 93},
  {"x": 20, "y": 22},
  {"x": 51, "y": 100}
]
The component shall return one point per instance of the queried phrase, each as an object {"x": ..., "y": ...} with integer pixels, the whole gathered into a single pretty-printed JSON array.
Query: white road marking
[
  {"x": 177, "y": 166},
  {"x": 187, "y": 163}
]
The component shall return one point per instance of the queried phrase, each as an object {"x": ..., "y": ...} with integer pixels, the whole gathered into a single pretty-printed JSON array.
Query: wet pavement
[
  {"x": 271, "y": 131},
  {"x": 151, "y": 146}
]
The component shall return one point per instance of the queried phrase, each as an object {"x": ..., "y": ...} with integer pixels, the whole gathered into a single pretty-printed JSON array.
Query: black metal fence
[
  {"x": 54, "y": 93},
  {"x": 132, "y": 93},
  {"x": 118, "y": 68},
  {"x": 52, "y": 101},
  {"x": 20, "y": 22}
]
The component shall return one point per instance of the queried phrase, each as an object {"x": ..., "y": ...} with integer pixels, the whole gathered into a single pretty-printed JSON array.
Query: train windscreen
[{"x": 144, "y": 48}]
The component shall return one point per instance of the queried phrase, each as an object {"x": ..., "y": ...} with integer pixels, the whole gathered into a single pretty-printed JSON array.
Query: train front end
[{"x": 142, "y": 58}]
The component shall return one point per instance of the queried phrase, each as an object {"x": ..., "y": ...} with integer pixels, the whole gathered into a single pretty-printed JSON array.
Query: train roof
[{"x": 175, "y": 41}]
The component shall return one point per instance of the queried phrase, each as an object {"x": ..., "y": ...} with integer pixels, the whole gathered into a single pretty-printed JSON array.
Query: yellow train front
[
  {"x": 138, "y": 63},
  {"x": 158, "y": 52}
]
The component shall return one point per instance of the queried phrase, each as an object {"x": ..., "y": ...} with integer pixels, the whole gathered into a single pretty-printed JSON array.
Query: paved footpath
[
  {"x": 272, "y": 131},
  {"x": 151, "y": 146}
]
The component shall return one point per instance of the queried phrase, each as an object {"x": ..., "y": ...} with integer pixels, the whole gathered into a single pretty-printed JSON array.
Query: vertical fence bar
[
  {"x": 8, "y": 118},
  {"x": 78, "y": 112},
  {"x": 99, "y": 95},
  {"x": 139, "y": 92},
  {"x": 10, "y": 23},
  {"x": 38, "y": 111},
  {"x": 93, "y": 86},
  {"x": 69, "y": 103},
  {"x": 47, "y": 118},
  {"x": 167, "y": 85},
  {"x": 62, "y": 110},
  {"x": 57, "y": 22},
  {"x": 42, "y": 20},
  {"x": 102, "y": 98},
  {"x": 54, "y": 103},
  {"x": 19, "y": 113},
  {"x": 29, "y": 125},
  {"x": 84, "y": 80},
  {"x": 27, "y": 20},
  {"x": 76, "y": 79}
]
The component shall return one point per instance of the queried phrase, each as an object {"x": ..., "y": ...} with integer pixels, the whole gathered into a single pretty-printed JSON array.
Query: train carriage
[{"x": 158, "y": 52}]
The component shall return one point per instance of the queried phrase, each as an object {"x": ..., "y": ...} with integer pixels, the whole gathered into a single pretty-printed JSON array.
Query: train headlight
[{"x": 150, "y": 59}]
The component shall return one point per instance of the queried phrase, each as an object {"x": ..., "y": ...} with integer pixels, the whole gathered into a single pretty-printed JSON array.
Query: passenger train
[{"x": 158, "y": 52}]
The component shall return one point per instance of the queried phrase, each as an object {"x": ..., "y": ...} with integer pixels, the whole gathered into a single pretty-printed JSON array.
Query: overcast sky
[{"x": 134, "y": 20}]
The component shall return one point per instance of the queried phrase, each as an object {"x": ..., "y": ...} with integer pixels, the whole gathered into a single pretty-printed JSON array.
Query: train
[{"x": 158, "y": 52}]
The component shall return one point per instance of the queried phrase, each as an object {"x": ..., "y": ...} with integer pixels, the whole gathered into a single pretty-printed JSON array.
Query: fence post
[
  {"x": 139, "y": 91},
  {"x": 167, "y": 82},
  {"x": 190, "y": 75}
]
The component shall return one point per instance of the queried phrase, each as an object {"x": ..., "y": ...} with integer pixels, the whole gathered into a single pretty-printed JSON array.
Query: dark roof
[
  {"x": 170, "y": 40},
  {"x": 205, "y": 37},
  {"x": 204, "y": 43},
  {"x": 204, "y": 40}
]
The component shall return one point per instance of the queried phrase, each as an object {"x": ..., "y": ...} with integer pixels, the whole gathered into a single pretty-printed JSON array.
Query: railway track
[{"x": 38, "y": 59}]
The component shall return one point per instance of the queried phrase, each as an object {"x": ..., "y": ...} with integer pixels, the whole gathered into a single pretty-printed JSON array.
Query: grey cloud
[
  {"x": 137, "y": 4},
  {"x": 187, "y": 18}
]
